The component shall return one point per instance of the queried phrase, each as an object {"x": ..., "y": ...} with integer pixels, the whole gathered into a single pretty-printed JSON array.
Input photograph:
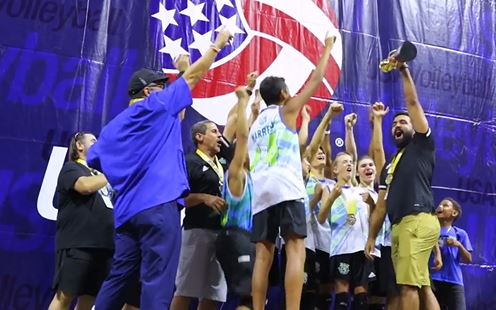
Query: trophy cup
[{"x": 406, "y": 52}]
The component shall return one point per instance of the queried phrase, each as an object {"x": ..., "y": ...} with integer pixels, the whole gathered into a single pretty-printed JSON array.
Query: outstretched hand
[
  {"x": 251, "y": 80},
  {"x": 305, "y": 113},
  {"x": 350, "y": 120},
  {"x": 223, "y": 38},
  {"x": 379, "y": 110}
]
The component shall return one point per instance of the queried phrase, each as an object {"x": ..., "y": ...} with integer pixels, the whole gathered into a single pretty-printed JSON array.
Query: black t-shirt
[
  {"x": 83, "y": 221},
  {"x": 202, "y": 179},
  {"x": 410, "y": 190}
]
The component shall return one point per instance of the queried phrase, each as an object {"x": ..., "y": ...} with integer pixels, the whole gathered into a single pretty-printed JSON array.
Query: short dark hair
[
  {"x": 401, "y": 113},
  {"x": 271, "y": 88},
  {"x": 199, "y": 127},
  {"x": 456, "y": 206},
  {"x": 73, "y": 151}
]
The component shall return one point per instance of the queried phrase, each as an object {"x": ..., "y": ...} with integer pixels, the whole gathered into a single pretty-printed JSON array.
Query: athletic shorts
[
  {"x": 385, "y": 282},
  {"x": 236, "y": 255},
  {"x": 81, "y": 271},
  {"x": 199, "y": 274},
  {"x": 288, "y": 216},
  {"x": 413, "y": 239},
  {"x": 310, "y": 277},
  {"x": 323, "y": 267},
  {"x": 353, "y": 268}
]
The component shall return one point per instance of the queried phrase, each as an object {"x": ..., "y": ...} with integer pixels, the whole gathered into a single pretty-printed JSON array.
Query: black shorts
[
  {"x": 323, "y": 267},
  {"x": 236, "y": 255},
  {"x": 310, "y": 278},
  {"x": 385, "y": 282},
  {"x": 353, "y": 268},
  {"x": 81, "y": 271},
  {"x": 289, "y": 216}
]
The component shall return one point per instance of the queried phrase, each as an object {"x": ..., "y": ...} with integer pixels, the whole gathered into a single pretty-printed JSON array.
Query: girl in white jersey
[
  {"x": 348, "y": 215},
  {"x": 367, "y": 167}
]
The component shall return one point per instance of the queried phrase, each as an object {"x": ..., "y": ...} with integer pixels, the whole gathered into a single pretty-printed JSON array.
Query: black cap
[{"x": 144, "y": 77}]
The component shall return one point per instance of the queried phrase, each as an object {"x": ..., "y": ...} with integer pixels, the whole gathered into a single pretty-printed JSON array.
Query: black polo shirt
[
  {"x": 202, "y": 179},
  {"x": 83, "y": 221},
  {"x": 410, "y": 190}
]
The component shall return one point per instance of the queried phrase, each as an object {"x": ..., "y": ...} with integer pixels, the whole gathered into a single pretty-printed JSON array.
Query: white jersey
[
  {"x": 349, "y": 220},
  {"x": 275, "y": 164},
  {"x": 384, "y": 235},
  {"x": 322, "y": 232}
]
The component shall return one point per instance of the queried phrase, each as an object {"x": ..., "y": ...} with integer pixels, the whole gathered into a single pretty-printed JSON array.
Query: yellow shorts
[{"x": 412, "y": 242}]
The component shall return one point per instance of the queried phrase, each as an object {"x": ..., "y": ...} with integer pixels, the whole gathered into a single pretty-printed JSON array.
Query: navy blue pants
[{"x": 148, "y": 244}]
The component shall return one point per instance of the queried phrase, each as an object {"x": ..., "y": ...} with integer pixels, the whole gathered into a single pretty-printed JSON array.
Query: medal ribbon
[{"x": 215, "y": 164}]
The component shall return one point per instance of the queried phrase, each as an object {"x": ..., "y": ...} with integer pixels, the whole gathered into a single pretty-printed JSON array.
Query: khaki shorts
[
  {"x": 412, "y": 242},
  {"x": 199, "y": 274}
]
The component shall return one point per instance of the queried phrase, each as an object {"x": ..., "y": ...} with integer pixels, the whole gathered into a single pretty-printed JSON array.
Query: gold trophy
[{"x": 406, "y": 52}]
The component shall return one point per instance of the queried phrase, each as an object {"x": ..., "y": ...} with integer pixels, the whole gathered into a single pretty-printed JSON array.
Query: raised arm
[
  {"x": 326, "y": 145},
  {"x": 293, "y": 106},
  {"x": 415, "y": 110},
  {"x": 376, "y": 143},
  {"x": 199, "y": 68},
  {"x": 236, "y": 178},
  {"x": 318, "y": 136},
  {"x": 230, "y": 128},
  {"x": 255, "y": 108},
  {"x": 349, "y": 142},
  {"x": 303, "y": 133}
]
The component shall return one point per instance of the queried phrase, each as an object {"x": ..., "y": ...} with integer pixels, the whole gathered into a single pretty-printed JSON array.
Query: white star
[
  {"x": 220, "y": 4},
  {"x": 230, "y": 23},
  {"x": 165, "y": 16},
  {"x": 194, "y": 11},
  {"x": 173, "y": 48},
  {"x": 202, "y": 42}
]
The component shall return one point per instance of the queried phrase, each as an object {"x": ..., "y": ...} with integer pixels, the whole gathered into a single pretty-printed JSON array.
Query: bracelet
[
  {"x": 249, "y": 91},
  {"x": 215, "y": 48},
  {"x": 403, "y": 67},
  {"x": 327, "y": 132}
]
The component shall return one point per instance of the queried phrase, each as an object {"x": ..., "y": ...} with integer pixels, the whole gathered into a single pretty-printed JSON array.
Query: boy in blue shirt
[{"x": 455, "y": 248}]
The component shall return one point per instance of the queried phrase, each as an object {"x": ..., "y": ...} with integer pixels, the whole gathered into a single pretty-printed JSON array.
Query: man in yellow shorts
[{"x": 405, "y": 189}]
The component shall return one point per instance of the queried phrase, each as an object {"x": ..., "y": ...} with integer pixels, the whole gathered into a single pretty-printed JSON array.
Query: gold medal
[{"x": 389, "y": 179}]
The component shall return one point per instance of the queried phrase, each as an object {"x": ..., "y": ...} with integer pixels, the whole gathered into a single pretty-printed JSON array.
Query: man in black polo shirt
[
  {"x": 199, "y": 273},
  {"x": 405, "y": 189},
  {"x": 85, "y": 228}
]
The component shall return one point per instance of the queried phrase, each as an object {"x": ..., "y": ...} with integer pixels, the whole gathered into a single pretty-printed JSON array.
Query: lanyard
[
  {"x": 83, "y": 162},
  {"x": 215, "y": 164},
  {"x": 392, "y": 169}
]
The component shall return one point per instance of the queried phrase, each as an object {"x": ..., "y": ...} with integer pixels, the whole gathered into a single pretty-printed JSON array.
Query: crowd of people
[{"x": 263, "y": 206}]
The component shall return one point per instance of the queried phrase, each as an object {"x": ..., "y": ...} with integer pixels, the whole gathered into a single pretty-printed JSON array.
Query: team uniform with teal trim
[
  {"x": 234, "y": 249},
  {"x": 348, "y": 261},
  {"x": 321, "y": 232},
  {"x": 278, "y": 187}
]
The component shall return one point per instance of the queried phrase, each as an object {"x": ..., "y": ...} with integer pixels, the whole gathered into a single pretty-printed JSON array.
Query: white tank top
[{"x": 274, "y": 161}]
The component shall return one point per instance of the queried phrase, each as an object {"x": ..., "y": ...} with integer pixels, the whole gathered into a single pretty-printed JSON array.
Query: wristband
[
  {"x": 215, "y": 48},
  {"x": 403, "y": 67}
]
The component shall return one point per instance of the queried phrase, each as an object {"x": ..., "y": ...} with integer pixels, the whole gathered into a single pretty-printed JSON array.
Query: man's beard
[{"x": 404, "y": 141}]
